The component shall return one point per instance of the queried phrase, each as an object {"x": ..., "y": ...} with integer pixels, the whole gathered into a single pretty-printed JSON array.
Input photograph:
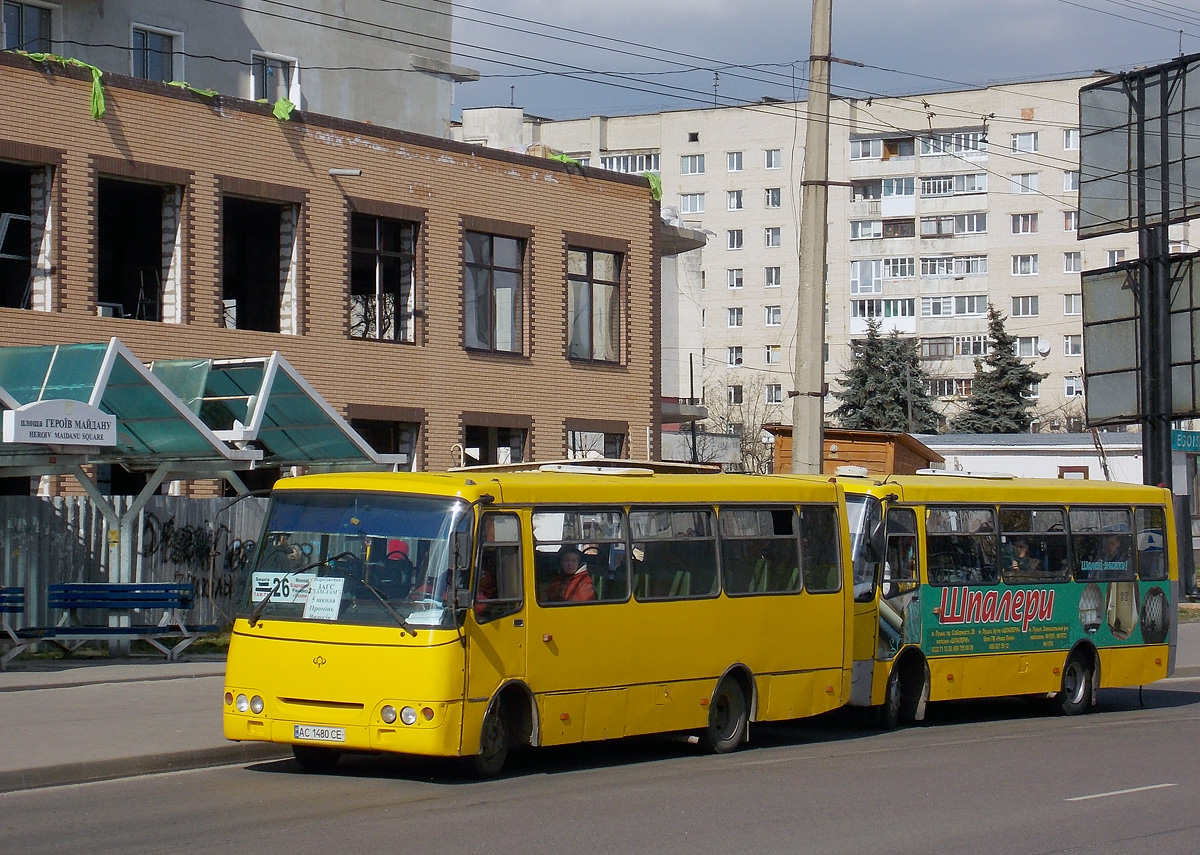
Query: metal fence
[{"x": 205, "y": 542}]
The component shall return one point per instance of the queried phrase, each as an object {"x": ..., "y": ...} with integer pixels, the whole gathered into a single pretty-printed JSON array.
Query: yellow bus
[
  {"x": 976, "y": 586},
  {"x": 465, "y": 614}
]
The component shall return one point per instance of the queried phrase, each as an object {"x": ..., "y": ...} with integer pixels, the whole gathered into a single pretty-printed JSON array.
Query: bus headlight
[
  {"x": 408, "y": 715},
  {"x": 242, "y": 703},
  {"x": 256, "y": 705},
  {"x": 388, "y": 714}
]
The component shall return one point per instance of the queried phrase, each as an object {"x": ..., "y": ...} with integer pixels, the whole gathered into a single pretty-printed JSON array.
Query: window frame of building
[
  {"x": 630, "y": 163},
  {"x": 866, "y": 149},
  {"x": 1025, "y": 141},
  {"x": 1070, "y": 139},
  {"x": 602, "y": 287},
  {"x": 970, "y": 305},
  {"x": 940, "y": 306},
  {"x": 772, "y": 236},
  {"x": 1025, "y": 224},
  {"x": 691, "y": 203},
  {"x": 484, "y": 280},
  {"x": 1073, "y": 386},
  {"x": 903, "y": 227},
  {"x": 371, "y": 269},
  {"x": 773, "y": 354},
  {"x": 1073, "y": 345},
  {"x": 264, "y": 65},
  {"x": 899, "y": 267},
  {"x": 1025, "y": 264},
  {"x": 773, "y": 276},
  {"x": 773, "y": 197},
  {"x": 866, "y": 276},
  {"x": 1033, "y": 392},
  {"x": 733, "y": 161},
  {"x": 1073, "y": 262},
  {"x": 941, "y": 347},
  {"x": 899, "y": 186},
  {"x": 1072, "y": 304},
  {"x": 691, "y": 164},
  {"x": 1114, "y": 256},
  {"x": 734, "y": 317},
  {"x": 735, "y": 355},
  {"x": 733, "y": 200},
  {"x": 875, "y": 228},
  {"x": 734, "y": 277},
  {"x": 1025, "y": 183},
  {"x": 43, "y": 42},
  {"x": 971, "y": 345},
  {"x": 734, "y": 239},
  {"x": 955, "y": 143},
  {"x": 170, "y": 60},
  {"x": 1071, "y": 220},
  {"x": 972, "y": 182},
  {"x": 1024, "y": 306},
  {"x": 735, "y": 394},
  {"x": 890, "y": 307},
  {"x": 774, "y": 393},
  {"x": 773, "y": 158},
  {"x": 937, "y": 266},
  {"x": 1070, "y": 180},
  {"x": 773, "y": 316},
  {"x": 1026, "y": 346}
]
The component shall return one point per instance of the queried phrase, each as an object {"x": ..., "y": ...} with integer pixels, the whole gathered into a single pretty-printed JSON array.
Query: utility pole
[{"x": 809, "y": 394}]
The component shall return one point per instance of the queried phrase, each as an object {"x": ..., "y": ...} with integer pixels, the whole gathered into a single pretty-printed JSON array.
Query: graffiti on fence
[{"x": 206, "y": 557}]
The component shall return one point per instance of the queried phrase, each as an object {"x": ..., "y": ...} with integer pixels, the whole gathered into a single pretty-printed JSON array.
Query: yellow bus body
[
  {"x": 1002, "y": 659},
  {"x": 588, "y": 672}
]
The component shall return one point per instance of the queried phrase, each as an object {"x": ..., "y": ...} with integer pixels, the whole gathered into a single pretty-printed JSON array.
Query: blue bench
[
  {"x": 118, "y": 602},
  {"x": 12, "y": 602}
]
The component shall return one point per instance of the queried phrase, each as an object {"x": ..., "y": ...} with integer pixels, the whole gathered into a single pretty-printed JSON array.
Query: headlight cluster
[
  {"x": 408, "y": 715},
  {"x": 243, "y": 704}
]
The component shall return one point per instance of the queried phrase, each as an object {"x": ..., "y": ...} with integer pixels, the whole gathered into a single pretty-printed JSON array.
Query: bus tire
[
  {"x": 728, "y": 718},
  {"x": 494, "y": 741},
  {"x": 888, "y": 713},
  {"x": 314, "y": 758},
  {"x": 1075, "y": 697}
]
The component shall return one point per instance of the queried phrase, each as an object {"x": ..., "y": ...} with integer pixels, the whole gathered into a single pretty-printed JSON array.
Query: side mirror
[
  {"x": 877, "y": 541},
  {"x": 460, "y": 547}
]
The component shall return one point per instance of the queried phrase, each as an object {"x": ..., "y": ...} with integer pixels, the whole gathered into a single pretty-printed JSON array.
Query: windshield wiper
[
  {"x": 261, "y": 607},
  {"x": 387, "y": 607}
]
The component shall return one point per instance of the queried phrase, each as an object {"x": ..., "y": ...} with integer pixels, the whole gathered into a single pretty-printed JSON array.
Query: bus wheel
[
  {"x": 316, "y": 759},
  {"x": 888, "y": 713},
  {"x": 1076, "y": 695},
  {"x": 727, "y": 718},
  {"x": 493, "y": 744}
]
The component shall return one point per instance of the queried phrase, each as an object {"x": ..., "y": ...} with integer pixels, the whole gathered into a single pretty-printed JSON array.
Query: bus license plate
[{"x": 312, "y": 733}]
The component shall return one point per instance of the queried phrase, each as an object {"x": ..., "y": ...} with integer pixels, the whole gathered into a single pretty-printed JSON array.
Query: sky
[{"x": 644, "y": 56}]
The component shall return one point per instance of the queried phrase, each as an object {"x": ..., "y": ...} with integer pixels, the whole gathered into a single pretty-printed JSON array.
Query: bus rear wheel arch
[
  {"x": 728, "y": 714},
  {"x": 907, "y": 691},
  {"x": 1079, "y": 678}
]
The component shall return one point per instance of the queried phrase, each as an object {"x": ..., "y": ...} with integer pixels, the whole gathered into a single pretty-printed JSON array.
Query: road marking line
[{"x": 1121, "y": 792}]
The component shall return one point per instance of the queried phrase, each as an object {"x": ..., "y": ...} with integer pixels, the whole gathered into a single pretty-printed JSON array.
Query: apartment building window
[
  {"x": 937, "y": 348},
  {"x": 258, "y": 246},
  {"x": 864, "y": 229},
  {"x": 382, "y": 257},
  {"x": 937, "y": 265},
  {"x": 949, "y": 225},
  {"x": 153, "y": 54},
  {"x": 947, "y": 185},
  {"x": 961, "y": 143},
  {"x": 773, "y": 354},
  {"x": 902, "y": 149},
  {"x": 485, "y": 442},
  {"x": 899, "y": 267},
  {"x": 867, "y": 191},
  {"x": 1115, "y": 256},
  {"x": 735, "y": 393},
  {"x": 774, "y": 393},
  {"x": 735, "y": 316},
  {"x": 733, "y": 161},
  {"x": 734, "y": 355},
  {"x": 1025, "y": 265},
  {"x": 975, "y": 182},
  {"x": 733, "y": 200},
  {"x": 772, "y": 236},
  {"x": 1027, "y": 346},
  {"x": 774, "y": 316},
  {"x": 1070, "y": 221},
  {"x": 26, "y": 27},
  {"x": 970, "y": 265},
  {"x": 894, "y": 308},
  {"x": 971, "y": 304},
  {"x": 1072, "y": 345},
  {"x": 1073, "y": 387},
  {"x": 942, "y": 185},
  {"x": 734, "y": 239},
  {"x": 733, "y": 277},
  {"x": 1025, "y": 307},
  {"x": 970, "y": 345},
  {"x": 870, "y": 149},
  {"x": 933, "y": 307},
  {"x": 691, "y": 164},
  {"x": 1072, "y": 304},
  {"x": 703, "y": 318},
  {"x": 1024, "y": 224},
  {"x": 1072, "y": 262},
  {"x": 949, "y": 387},
  {"x": 1033, "y": 392},
  {"x": 1025, "y": 182},
  {"x": 1070, "y": 139},
  {"x": 774, "y": 197},
  {"x": 691, "y": 203},
  {"x": 772, "y": 158},
  {"x": 1071, "y": 180},
  {"x": 866, "y": 276},
  {"x": 594, "y": 304},
  {"x": 1025, "y": 141},
  {"x": 899, "y": 186},
  {"x": 630, "y": 163},
  {"x": 899, "y": 228},
  {"x": 274, "y": 77},
  {"x": 774, "y": 276},
  {"x": 494, "y": 272}
]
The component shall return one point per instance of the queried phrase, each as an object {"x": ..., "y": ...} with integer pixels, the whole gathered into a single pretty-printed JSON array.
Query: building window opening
[
  {"x": 588, "y": 445},
  {"x": 382, "y": 300},
  {"x": 16, "y": 248},
  {"x": 388, "y": 437},
  {"x": 593, "y": 305},
  {"x": 485, "y": 445},
  {"x": 252, "y": 264},
  {"x": 132, "y": 222}
]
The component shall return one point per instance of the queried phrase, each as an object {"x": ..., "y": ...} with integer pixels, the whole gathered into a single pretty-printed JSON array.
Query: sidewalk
[{"x": 68, "y": 722}]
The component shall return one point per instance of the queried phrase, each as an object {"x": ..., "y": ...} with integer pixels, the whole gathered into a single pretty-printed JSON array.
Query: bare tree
[{"x": 738, "y": 406}]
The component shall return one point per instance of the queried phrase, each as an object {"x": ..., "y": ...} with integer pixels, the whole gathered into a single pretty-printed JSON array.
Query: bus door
[
  {"x": 496, "y": 627},
  {"x": 899, "y": 606},
  {"x": 866, "y": 526}
]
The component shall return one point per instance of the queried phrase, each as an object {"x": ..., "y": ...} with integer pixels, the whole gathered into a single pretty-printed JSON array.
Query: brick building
[{"x": 454, "y": 303}]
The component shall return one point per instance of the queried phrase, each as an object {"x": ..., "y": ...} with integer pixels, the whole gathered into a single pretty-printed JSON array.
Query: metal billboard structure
[{"x": 1139, "y": 170}]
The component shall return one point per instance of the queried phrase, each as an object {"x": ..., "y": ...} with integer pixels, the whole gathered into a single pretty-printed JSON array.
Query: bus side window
[
  {"x": 1033, "y": 545},
  {"x": 900, "y": 566},
  {"x": 1151, "y": 544},
  {"x": 819, "y": 552},
  {"x": 1101, "y": 541},
  {"x": 759, "y": 550},
  {"x": 679, "y": 553},
  {"x": 960, "y": 543},
  {"x": 499, "y": 588}
]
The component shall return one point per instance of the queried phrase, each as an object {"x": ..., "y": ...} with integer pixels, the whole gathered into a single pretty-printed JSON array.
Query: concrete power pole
[{"x": 808, "y": 406}]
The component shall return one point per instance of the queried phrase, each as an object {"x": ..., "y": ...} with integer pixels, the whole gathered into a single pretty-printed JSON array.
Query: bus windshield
[
  {"x": 865, "y": 514},
  {"x": 374, "y": 559}
]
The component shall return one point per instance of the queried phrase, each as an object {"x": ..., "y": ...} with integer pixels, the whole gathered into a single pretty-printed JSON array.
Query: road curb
[{"x": 128, "y": 767}]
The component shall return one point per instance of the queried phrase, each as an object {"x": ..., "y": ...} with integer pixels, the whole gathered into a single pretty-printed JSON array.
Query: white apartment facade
[{"x": 939, "y": 204}]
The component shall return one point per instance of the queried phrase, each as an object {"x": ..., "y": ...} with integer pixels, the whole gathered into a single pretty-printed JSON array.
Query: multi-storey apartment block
[{"x": 940, "y": 205}]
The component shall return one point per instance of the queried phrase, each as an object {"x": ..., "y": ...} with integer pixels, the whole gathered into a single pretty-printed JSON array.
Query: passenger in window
[
  {"x": 394, "y": 577},
  {"x": 1023, "y": 564},
  {"x": 573, "y": 584}
]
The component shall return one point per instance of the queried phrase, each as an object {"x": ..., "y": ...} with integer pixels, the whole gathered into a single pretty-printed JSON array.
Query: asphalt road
[{"x": 997, "y": 777}]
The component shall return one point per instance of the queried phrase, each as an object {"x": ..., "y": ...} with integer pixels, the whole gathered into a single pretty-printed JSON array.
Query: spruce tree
[
  {"x": 885, "y": 376},
  {"x": 998, "y": 403}
]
